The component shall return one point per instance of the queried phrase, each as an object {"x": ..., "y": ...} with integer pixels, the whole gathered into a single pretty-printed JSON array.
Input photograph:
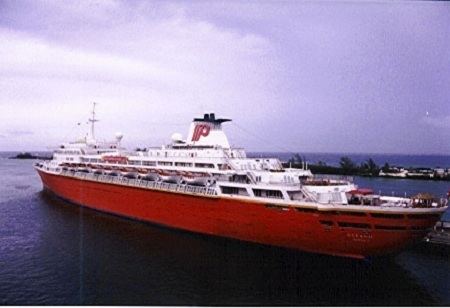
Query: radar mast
[{"x": 93, "y": 120}]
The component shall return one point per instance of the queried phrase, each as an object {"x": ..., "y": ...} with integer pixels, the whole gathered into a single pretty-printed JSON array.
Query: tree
[
  {"x": 347, "y": 165},
  {"x": 386, "y": 167},
  {"x": 372, "y": 167},
  {"x": 296, "y": 159}
]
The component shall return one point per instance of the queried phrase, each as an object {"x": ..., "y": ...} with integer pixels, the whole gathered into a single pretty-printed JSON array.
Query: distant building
[
  {"x": 394, "y": 172},
  {"x": 440, "y": 172}
]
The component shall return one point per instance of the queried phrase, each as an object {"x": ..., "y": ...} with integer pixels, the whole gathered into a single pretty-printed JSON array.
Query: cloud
[
  {"x": 141, "y": 62},
  {"x": 17, "y": 133},
  {"x": 436, "y": 121},
  {"x": 34, "y": 58}
]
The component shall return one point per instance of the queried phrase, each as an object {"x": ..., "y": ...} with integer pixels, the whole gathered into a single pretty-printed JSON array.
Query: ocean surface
[
  {"x": 52, "y": 252},
  {"x": 332, "y": 159}
]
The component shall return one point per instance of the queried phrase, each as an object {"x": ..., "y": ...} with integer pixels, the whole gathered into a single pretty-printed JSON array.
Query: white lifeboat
[
  {"x": 170, "y": 176},
  {"x": 196, "y": 178}
]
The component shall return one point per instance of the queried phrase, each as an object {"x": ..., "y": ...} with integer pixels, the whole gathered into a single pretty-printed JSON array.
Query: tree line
[{"x": 346, "y": 166}]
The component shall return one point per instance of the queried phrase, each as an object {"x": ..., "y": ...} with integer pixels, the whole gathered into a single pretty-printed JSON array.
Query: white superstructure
[{"x": 205, "y": 159}]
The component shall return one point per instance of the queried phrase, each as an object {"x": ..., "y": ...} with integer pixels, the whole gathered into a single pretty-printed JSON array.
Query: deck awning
[{"x": 361, "y": 191}]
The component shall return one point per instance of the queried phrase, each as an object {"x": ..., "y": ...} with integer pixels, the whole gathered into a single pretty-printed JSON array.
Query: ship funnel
[{"x": 207, "y": 131}]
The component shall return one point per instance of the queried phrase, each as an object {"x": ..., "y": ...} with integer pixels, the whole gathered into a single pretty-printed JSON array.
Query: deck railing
[
  {"x": 333, "y": 177},
  {"x": 142, "y": 183}
]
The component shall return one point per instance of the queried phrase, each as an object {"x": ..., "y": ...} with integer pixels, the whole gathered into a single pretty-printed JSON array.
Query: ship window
[
  {"x": 204, "y": 165},
  {"x": 165, "y": 163},
  {"x": 135, "y": 162},
  {"x": 234, "y": 190},
  {"x": 296, "y": 195},
  {"x": 385, "y": 215},
  {"x": 268, "y": 193},
  {"x": 183, "y": 164},
  {"x": 224, "y": 167},
  {"x": 423, "y": 216},
  {"x": 149, "y": 163}
]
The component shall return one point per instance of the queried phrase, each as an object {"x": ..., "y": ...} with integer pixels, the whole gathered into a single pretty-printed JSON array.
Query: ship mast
[{"x": 93, "y": 120}]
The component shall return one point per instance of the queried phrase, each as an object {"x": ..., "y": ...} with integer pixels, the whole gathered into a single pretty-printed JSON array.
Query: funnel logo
[{"x": 200, "y": 130}]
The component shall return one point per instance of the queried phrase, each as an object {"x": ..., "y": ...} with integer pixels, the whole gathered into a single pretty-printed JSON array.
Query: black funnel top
[{"x": 211, "y": 118}]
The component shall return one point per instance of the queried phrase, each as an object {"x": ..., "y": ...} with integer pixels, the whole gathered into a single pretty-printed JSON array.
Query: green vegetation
[
  {"x": 367, "y": 168},
  {"x": 296, "y": 159},
  {"x": 346, "y": 167},
  {"x": 27, "y": 155}
]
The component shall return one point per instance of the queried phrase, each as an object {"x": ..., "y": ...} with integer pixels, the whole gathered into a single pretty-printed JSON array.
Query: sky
[{"x": 300, "y": 76}]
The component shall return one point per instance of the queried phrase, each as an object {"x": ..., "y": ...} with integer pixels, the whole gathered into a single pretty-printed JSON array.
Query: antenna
[{"x": 93, "y": 120}]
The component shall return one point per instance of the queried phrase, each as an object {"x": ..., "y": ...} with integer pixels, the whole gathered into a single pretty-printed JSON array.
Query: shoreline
[
  {"x": 27, "y": 155},
  {"x": 339, "y": 171}
]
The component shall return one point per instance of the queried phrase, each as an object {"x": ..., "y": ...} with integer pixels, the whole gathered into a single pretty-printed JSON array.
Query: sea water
[{"x": 52, "y": 252}]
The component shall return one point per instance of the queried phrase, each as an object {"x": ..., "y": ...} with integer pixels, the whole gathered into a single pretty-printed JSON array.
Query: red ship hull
[{"x": 315, "y": 231}]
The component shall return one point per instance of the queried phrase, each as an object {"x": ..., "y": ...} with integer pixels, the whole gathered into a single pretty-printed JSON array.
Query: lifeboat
[
  {"x": 142, "y": 171},
  {"x": 170, "y": 176},
  {"x": 130, "y": 173},
  {"x": 361, "y": 191},
  {"x": 82, "y": 168},
  {"x": 110, "y": 171},
  {"x": 98, "y": 171},
  {"x": 148, "y": 175},
  {"x": 198, "y": 179}
]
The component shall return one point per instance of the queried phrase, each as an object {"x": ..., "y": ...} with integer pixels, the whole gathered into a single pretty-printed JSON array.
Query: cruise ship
[{"x": 201, "y": 184}]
